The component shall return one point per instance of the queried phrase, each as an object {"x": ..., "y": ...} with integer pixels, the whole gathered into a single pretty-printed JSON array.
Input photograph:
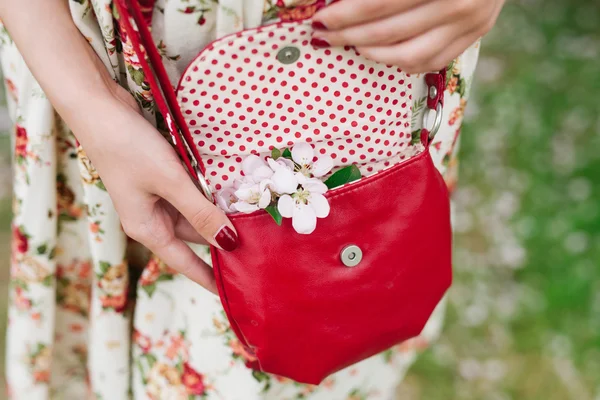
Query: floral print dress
[{"x": 83, "y": 322}]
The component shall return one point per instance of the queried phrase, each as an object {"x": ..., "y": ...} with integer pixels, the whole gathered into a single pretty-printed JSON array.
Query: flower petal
[
  {"x": 301, "y": 178},
  {"x": 245, "y": 207},
  {"x": 286, "y": 162},
  {"x": 225, "y": 199},
  {"x": 248, "y": 193},
  {"x": 315, "y": 185},
  {"x": 304, "y": 219},
  {"x": 322, "y": 166},
  {"x": 285, "y": 205},
  {"x": 264, "y": 184},
  {"x": 320, "y": 204},
  {"x": 303, "y": 153},
  {"x": 284, "y": 181},
  {"x": 251, "y": 163},
  {"x": 261, "y": 173},
  {"x": 265, "y": 199},
  {"x": 274, "y": 165}
]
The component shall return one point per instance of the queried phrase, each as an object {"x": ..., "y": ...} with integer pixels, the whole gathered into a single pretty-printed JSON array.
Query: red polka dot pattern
[{"x": 239, "y": 99}]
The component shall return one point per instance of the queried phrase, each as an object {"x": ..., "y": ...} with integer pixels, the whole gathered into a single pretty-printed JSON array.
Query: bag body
[
  {"x": 371, "y": 274},
  {"x": 305, "y": 314}
]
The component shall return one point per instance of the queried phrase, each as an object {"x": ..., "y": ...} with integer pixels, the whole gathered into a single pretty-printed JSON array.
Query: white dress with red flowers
[{"x": 73, "y": 332}]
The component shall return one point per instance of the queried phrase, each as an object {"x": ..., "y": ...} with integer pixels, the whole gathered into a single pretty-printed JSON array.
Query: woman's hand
[
  {"x": 416, "y": 35},
  {"x": 157, "y": 201}
]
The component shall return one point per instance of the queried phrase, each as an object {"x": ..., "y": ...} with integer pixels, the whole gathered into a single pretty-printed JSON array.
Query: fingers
[
  {"x": 388, "y": 30},
  {"x": 185, "y": 231},
  {"x": 451, "y": 52},
  {"x": 152, "y": 223},
  {"x": 203, "y": 216},
  {"x": 179, "y": 256},
  {"x": 416, "y": 35},
  {"x": 346, "y": 13},
  {"x": 415, "y": 55}
]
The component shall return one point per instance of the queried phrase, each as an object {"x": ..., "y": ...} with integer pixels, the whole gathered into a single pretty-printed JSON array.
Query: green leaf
[
  {"x": 141, "y": 369},
  {"x": 449, "y": 71},
  {"x": 179, "y": 367},
  {"x": 287, "y": 154},
  {"x": 52, "y": 253},
  {"x": 47, "y": 281},
  {"x": 416, "y": 110},
  {"x": 275, "y": 153},
  {"x": 136, "y": 75},
  {"x": 415, "y": 137},
  {"x": 345, "y": 175},
  {"x": 66, "y": 218},
  {"x": 42, "y": 248},
  {"x": 462, "y": 87},
  {"x": 100, "y": 185},
  {"x": 260, "y": 376},
  {"x": 274, "y": 212},
  {"x": 149, "y": 289},
  {"x": 387, "y": 355},
  {"x": 164, "y": 277},
  {"x": 446, "y": 160},
  {"x": 104, "y": 266},
  {"x": 150, "y": 359}
]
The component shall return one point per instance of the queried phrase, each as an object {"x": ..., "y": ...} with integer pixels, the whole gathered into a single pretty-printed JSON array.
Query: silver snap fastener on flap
[
  {"x": 351, "y": 256},
  {"x": 288, "y": 55}
]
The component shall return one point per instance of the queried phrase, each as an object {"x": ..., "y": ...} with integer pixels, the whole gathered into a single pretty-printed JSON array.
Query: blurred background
[{"x": 524, "y": 317}]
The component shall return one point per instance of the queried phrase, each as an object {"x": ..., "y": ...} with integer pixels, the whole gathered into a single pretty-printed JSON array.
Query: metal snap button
[
  {"x": 433, "y": 92},
  {"x": 351, "y": 256},
  {"x": 288, "y": 55}
]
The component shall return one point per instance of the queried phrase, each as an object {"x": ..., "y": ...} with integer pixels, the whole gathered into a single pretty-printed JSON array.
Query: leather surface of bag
[{"x": 369, "y": 277}]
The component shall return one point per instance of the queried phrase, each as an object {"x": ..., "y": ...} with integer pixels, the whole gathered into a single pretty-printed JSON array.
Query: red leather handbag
[{"x": 369, "y": 277}]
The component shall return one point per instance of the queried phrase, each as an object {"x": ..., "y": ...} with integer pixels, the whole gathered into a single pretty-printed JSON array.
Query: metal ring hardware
[
  {"x": 203, "y": 185},
  {"x": 437, "y": 123}
]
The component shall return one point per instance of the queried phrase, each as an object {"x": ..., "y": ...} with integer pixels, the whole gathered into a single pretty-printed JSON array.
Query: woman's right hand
[{"x": 157, "y": 201}]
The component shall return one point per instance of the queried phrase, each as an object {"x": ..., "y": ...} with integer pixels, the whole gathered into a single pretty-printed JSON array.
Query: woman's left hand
[{"x": 416, "y": 35}]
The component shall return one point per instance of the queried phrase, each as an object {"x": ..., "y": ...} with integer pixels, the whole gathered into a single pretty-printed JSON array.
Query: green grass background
[{"x": 524, "y": 316}]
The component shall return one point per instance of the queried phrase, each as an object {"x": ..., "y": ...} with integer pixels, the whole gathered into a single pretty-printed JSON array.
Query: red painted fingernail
[
  {"x": 319, "y": 25},
  {"x": 227, "y": 239},
  {"x": 316, "y": 42}
]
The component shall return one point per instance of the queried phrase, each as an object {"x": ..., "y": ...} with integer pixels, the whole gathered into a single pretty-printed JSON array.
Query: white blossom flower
[
  {"x": 284, "y": 179},
  {"x": 255, "y": 169},
  {"x": 293, "y": 184},
  {"x": 226, "y": 199},
  {"x": 305, "y": 205},
  {"x": 253, "y": 197},
  {"x": 303, "y": 154},
  {"x": 281, "y": 162}
]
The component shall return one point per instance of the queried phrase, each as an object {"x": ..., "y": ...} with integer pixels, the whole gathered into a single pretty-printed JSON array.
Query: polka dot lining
[{"x": 239, "y": 99}]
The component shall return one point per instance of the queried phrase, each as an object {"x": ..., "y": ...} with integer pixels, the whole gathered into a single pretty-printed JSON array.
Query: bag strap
[{"x": 134, "y": 24}]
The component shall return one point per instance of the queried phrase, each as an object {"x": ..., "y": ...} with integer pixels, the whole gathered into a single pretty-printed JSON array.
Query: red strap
[
  {"x": 166, "y": 100},
  {"x": 436, "y": 80},
  {"x": 147, "y": 8}
]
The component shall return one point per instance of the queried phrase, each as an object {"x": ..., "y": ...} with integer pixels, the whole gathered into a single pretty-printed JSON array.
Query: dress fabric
[{"x": 82, "y": 322}]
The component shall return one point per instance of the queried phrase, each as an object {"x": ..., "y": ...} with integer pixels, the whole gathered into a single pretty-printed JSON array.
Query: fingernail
[
  {"x": 317, "y": 42},
  {"x": 227, "y": 239},
  {"x": 319, "y": 25}
]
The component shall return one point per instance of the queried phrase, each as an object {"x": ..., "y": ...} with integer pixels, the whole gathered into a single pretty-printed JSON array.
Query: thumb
[{"x": 208, "y": 220}]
